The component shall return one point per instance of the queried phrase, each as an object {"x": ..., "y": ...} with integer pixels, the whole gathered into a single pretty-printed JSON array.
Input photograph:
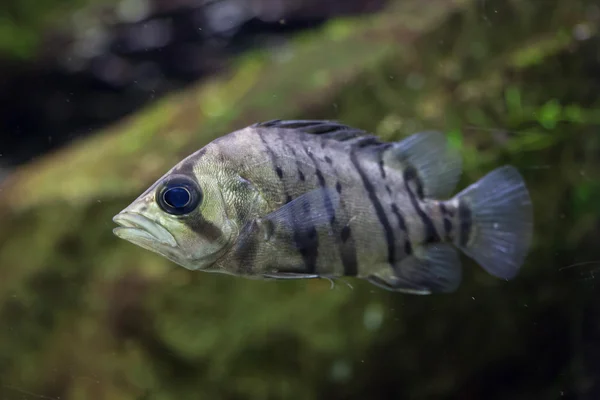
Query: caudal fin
[{"x": 496, "y": 222}]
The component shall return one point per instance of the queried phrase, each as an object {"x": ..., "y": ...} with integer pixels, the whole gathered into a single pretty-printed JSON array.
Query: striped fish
[{"x": 309, "y": 199}]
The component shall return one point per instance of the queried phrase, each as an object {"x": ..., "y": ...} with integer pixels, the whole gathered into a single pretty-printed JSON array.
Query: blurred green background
[{"x": 85, "y": 315}]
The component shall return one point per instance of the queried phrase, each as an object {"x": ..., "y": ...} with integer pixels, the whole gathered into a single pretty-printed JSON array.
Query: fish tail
[{"x": 496, "y": 222}]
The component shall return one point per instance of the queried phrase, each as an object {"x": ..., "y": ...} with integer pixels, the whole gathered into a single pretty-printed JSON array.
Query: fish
[{"x": 303, "y": 199}]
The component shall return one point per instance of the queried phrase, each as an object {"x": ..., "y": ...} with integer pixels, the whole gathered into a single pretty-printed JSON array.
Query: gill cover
[{"x": 189, "y": 205}]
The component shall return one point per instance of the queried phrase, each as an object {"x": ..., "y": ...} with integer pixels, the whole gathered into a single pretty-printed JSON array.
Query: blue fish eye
[{"x": 179, "y": 195}]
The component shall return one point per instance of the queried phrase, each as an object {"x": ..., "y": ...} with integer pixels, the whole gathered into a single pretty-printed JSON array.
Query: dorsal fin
[
  {"x": 426, "y": 157},
  {"x": 329, "y": 129}
]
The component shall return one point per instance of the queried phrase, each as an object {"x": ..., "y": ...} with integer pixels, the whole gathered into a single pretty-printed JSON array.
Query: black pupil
[{"x": 177, "y": 197}]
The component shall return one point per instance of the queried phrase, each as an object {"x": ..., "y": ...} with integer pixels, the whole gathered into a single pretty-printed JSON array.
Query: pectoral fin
[
  {"x": 285, "y": 240},
  {"x": 301, "y": 216}
]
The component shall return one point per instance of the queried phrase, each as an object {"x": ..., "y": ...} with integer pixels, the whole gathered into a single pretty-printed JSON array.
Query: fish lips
[{"x": 136, "y": 228}]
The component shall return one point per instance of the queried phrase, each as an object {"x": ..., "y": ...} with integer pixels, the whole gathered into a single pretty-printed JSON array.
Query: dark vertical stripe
[
  {"x": 410, "y": 175},
  {"x": 401, "y": 222},
  {"x": 445, "y": 210},
  {"x": 304, "y": 239},
  {"x": 403, "y": 228},
  {"x": 347, "y": 247},
  {"x": 381, "y": 165},
  {"x": 187, "y": 168},
  {"x": 346, "y": 232},
  {"x": 310, "y": 252},
  {"x": 307, "y": 242},
  {"x": 328, "y": 204},
  {"x": 379, "y": 211},
  {"x": 465, "y": 218},
  {"x": 298, "y": 163},
  {"x": 348, "y": 252},
  {"x": 407, "y": 247},
  {"x": 447, "y": 215},
  {"x": 195, "y": 221},
  {"x": 241, "y": 213},
  {"x": 431, "y": 234},
  {"x": 270, "y": 152},
  {"x": 321, "y": 179},
  {"x": 447, "y": 226},
  {"x": 202, "y": 227},
  {"x": 245, "y": 250},
  {"x": 381, "y": 149}
]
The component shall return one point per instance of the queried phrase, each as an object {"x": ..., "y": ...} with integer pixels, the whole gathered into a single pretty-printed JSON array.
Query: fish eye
[{"x": 179, "y": 195}]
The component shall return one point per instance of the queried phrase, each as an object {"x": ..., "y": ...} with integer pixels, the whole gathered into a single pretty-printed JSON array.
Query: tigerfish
[{"x": 309, "y": 199}]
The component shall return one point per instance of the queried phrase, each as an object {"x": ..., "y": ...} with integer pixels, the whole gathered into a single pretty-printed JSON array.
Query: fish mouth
[{"x": 133, "y": 227}]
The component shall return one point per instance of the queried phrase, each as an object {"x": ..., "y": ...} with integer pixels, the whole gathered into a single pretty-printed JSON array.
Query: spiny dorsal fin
[
  {"x": 329, "y": 129},
  {"x": 437, "y": 167}
]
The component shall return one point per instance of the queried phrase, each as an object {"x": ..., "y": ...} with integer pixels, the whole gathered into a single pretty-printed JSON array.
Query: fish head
[{"x": 190, "y": 215}]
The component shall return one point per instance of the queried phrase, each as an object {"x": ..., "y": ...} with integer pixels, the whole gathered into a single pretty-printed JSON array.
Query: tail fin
[{"x": 500, "y": 211}]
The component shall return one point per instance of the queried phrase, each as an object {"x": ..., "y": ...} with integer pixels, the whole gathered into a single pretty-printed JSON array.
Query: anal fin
[{"x": 435, "y": 268}]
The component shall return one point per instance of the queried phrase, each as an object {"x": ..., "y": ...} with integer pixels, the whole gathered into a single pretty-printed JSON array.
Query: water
[{"x": 86, "y": 315}]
